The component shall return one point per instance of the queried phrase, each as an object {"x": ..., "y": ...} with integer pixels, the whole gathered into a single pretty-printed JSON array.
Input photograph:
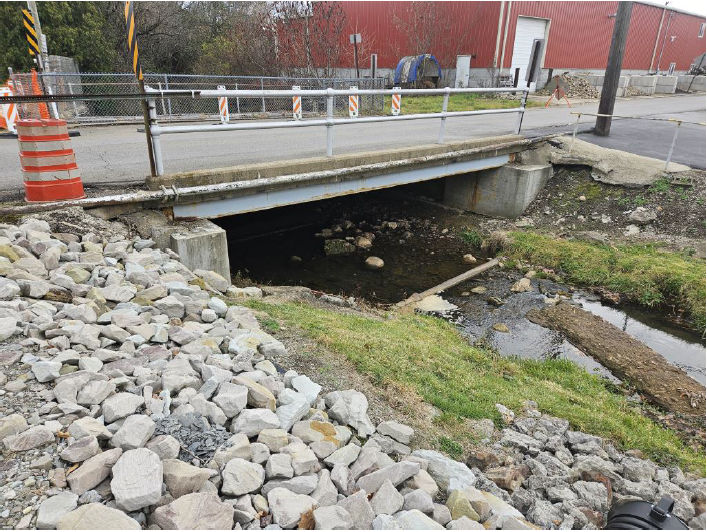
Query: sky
[{"x": 694, "y": 6}]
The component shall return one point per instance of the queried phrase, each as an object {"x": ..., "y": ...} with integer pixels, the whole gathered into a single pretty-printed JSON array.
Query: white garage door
[{"x": 527, "y": 30}]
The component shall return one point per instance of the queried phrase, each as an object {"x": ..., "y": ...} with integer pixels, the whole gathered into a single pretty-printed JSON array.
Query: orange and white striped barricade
[
  {"x": 353, "y": 104},
  {"x": 8, "y": 111},
  {"x": 296, "y": 104},
  {"x": 48, "y": 161},
  {"x": 223, "y": 106},
  {"x": 395, "y": 102}
]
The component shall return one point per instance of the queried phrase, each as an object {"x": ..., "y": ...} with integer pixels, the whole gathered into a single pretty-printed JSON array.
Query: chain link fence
[{"x": 179, "y": 109}]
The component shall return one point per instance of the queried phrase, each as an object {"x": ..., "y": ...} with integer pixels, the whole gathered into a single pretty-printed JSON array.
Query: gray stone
[
  {"x": 387, "y": 500},
  {"x": 294, "y": 407},
  {"x": 88, "y": 426},
  {"x": 171, "y": 306},
  {"x": 120, "y": 405},
  {"x": 31, "y": 438},
  {"x": 397, "y": 473},
  {"x": 332, "y": 518},
  {"x": 46, "y": 370},
  {"x": 231, "y": 398},
  {"x": 241, "y": 477},
  {"x": 95, "y": 392},
  {"x": 54, "y": 508},
  {"x": 274, "y": 439},
  {"x": 385, "y": 522},
  {"x": 350, "y": 408},
  {"x": 643, "y": 215},
  {"x": 96, "y": 516},
  {"x": 279, "y": 466},
  {"x": 287, "y": 507},
  {"x": 464, "y": 523},
  {"x": 360, "y": 510},
  {"x": 346, "y": 455},
  {"x": 135, "y": 432},
  {"x": 416, "y": 520},
  {"x": 252, "y": 420},
  {"x": 545, "y": 514},
  {"x": 182, "y": 478},
  {"x": 164, "y": 446},
  {"x": 397, "y": 431},
  {"x": 93, "y": 471},
  {"x": 447, "y": 473},
  {"x": 307, "y": 387},
  {"x": 137, "y": 479},
  {"x": 11, "y": 425},
  {"x": 325, "y": 493},
  {"x": 418, "y": 500},
  {"x": 195, "y": 511},
  {"x": 305, "y": 485},
  {"x": 81, "y": 450}
]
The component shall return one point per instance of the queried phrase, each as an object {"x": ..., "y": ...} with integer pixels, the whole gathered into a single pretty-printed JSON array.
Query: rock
[
  {"x": 387, "y": 500},
  {"x": 31, "y": 438},
  {"x": 449, "y": 474},
  {"x": 643, "y": 216},
  {"x": 359, "y": 508},
  {"x": 241, "y": 477},
  {"x": 338, "y": 246},
  {"x": 385, "y": 522},
  {"x": 441, "y": 514},
  {"x": 397, "y": 431},
  {"x": 120, "y": 293},
  {"x": 8, "y": 328},
  {"x": 134, "y": 433},
  {"x": 416, "y": 520},
  {"x": 54, "y": 508},
  {"x": 396, "y": 473},
  {"x": 11, "y": 425},
  {"x": 279, "y": 466},
  {"x": 345, "y": 456},
  {"x": 137, "y": 479},
  {"x": 46, "y": 370},
  {"x": 326, "y": 492},
  {"x": 274, "y": 439},
  {"x": 95, "y": 392},
  {"x": 306, "y": 386},
  {"x": 287, "y": 507},
  {"x": 423, "y": 481},
  {"x": 350, "y": 408},
  {"x": 231, "y": 398},
  {"x": 252, "y": 420},
  {"x": 88, "y": 426},
  {"x": 464, "y": 523},
  {"x": 81, "y": 450},
  {"x": 93, "y": 471},
  {"x": 95, "y": 516},
  {"x": 332, "y": 518},
  {"x": 164, "y": 446},
  {"x": 500, "y": 327},
  {"x": 294, "y": 407},
  {"x": 544, "y": 514},
  {"x": 469, "y": 259},
  {"x": 213, "y": 279},
  {"x": 522, "y": 285},
  {"x": 195, "y": 511},
  {"x": 418, "y": 500},
  {"x": 120, "y": 405},
  {"x": 182, "y": 478},
  {"x": 459, "y": 506},
  {"x": 374, "y": 263}
]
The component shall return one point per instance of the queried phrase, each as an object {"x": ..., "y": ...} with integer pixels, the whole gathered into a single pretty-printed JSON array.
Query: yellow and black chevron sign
[
  {"x": 132, "y": 40},
  {"x": 30, "y": 32}
]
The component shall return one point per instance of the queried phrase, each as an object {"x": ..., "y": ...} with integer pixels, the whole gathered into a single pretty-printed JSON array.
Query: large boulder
[
  {"x": 137, "y": 479},
  {"x": 195, "y": 511}
]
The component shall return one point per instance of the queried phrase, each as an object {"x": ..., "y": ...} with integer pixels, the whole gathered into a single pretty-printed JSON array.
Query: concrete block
[
  {"x": 643, "y": 84},
  {"x": 666, "y": 84},
  {"x": 687, "y": 82},
  {"x": 505, "y": 192},
  {"x": 202, "y": 245}
]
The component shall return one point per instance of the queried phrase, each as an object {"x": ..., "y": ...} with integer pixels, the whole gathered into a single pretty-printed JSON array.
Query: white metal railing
[{"x": 330, "y": 121}]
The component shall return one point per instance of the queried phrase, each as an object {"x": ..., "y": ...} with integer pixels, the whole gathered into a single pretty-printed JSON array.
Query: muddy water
[{"x": 419, "y": 255}]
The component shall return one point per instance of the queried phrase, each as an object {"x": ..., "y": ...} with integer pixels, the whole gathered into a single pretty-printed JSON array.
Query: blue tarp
[{"x": 406, "y": 71}]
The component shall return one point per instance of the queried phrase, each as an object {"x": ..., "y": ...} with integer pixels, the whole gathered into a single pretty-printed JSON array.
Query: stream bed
[{"x": 421, "y": 252}]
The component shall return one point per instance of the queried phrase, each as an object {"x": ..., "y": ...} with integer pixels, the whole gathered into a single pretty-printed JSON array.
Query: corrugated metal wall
[{"x": 579, "y": 35}]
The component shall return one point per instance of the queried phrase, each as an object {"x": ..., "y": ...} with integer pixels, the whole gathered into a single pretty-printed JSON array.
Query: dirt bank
[{"x": 627, "y": 358}]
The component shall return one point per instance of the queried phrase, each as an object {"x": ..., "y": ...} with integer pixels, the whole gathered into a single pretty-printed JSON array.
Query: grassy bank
[
  {"x": 428, "y": 356},
  {"x": 642, "y": 273},
  {"x": 457, "y": 102}
]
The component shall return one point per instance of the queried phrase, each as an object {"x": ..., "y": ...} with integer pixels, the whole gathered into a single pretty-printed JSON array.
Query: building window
[{"x": 702, "y": 31}]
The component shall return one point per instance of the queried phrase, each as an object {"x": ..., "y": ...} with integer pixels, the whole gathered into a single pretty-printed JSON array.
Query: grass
[
  {"x": 643, "y": 273},
  {"x": 457, "y": 102},
  {"x": 471, "y": 237},
  {"x": 429, "y": 356}
]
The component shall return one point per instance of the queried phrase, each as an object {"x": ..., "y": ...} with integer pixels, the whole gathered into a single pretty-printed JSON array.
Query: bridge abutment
[{"x": 505, "y": 191}]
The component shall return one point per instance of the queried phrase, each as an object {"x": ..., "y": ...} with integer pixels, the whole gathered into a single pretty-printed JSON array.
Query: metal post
[
  {"x": 445, "y": 105},
  {"x": 672, "y": 146},
  {"x": 521, "y": 113},
  {"x": 330, "y": 123},
  {"x": 169, "y": 100},
  {"x": 148, "y": 131},
  {"x": 574, "y": 133},
  {"x": 261, "y": 88},
  {"x": 238, "y": 103},
  {"x": 71, "y": 91},
  {"x": 156, "y": 145},
  {"x": 164, "y": 112}
]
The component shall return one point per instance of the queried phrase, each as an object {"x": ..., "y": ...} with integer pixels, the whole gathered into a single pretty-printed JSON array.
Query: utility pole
[
  {"x": 43, "y": 61},
  {"x": 613, "y": 69}
]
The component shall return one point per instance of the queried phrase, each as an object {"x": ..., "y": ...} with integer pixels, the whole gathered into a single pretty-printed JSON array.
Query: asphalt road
[{"x": 118, "y": 154}]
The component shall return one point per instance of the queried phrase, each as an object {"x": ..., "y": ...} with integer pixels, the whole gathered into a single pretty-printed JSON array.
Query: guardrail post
[
  {"x": 169, "y": 100},
  {"x": 521, "y": 114},
  {"x": 445, "y": 105},
  {"x": 156, "y": 145},
  {"x": 672, "y": 145},
  {"x": 330, "y": 122},
  {"x": 262, "y": 88},
  {"x": 574, "y": 133}
]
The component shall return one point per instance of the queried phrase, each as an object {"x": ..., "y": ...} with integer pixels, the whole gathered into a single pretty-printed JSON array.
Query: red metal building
[{"x": 578, "y": 34}]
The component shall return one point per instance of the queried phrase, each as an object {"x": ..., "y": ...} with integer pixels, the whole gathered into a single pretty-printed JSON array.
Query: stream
[{"x": 288, "y": 248}]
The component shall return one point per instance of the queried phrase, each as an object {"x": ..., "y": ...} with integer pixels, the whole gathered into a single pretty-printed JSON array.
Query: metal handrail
[{"x": 157, "y": 131}]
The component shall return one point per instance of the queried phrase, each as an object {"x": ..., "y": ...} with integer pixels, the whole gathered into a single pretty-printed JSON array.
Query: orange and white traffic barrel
[
  {"x": 353, "y": 104},
  {"x": 296, "y": 104},
  {"x": 8, "y": 111},
  {"x": 395, "y": 102},
  {"x": 223, "y": 106},
  {"x": 48, "y": 161}
]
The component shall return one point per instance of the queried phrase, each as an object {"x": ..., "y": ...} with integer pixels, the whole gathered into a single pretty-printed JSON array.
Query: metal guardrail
[
  {"x": 330, "y": 121},
  {"x": 677, "y": 121}
]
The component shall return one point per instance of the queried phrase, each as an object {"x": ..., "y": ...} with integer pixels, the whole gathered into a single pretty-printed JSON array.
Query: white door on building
[{"x": 527, "y": 30}]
